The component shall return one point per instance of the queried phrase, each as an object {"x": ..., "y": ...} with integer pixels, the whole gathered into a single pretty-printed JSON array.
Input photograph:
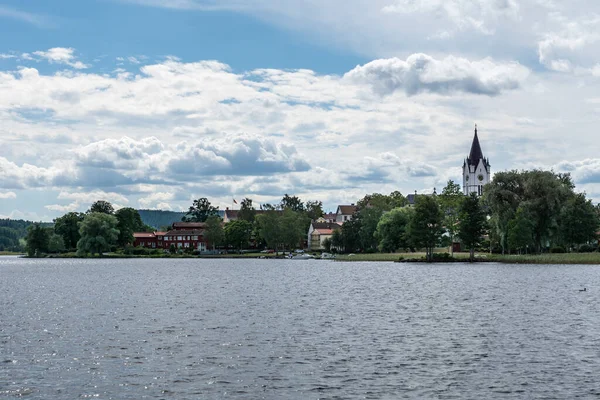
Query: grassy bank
[
  {"x": 567, "y": 258},
  {"x": 10, "y": 253}
]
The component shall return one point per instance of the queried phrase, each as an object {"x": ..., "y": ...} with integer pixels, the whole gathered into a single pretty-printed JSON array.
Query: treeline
[
  {"x": 520, "y": 212},
  {"x": 98, "y": 230},
  {"x": 536, "y": 211},
  {"x": 13, "y": 233},
  {"x": 280, "y": 226}
]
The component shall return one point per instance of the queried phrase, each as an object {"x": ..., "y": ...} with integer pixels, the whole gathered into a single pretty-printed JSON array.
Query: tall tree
[
  {"x": 56, "y": 244},
  {"x": 68, "y": 227},
  {"x": 520, "y": 230},
  {"x": 291, "y": 225},
  {"x": 98, "y": 233},
  {"x": 291, "y": 202},
  {"x": 392, "y": 230},
  {"x": 200, "y": 210},
  {"x": 450, "y": 202},
  {"x": 368, "y": 218},
  {"x": 269, "y": 228},
  {"x": 351, "y": 235},
  {"x": 579, "y": 221},
  {"x": 214, "y": 232},
  {"x": 314, "y": 209},
  {"x": 247, "y": 211},
  {"x": 237, "y": 233},
  {"x": 101, "y": 206},
  {"x": 472, "y": 223},
  {"x": 37, "y": 240},
  {"x": 129, "y": 221},
  {"x": 425, "y": 227}
]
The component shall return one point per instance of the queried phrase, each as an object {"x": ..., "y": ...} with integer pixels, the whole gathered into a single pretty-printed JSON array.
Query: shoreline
[{"x": 417, "y": 258}]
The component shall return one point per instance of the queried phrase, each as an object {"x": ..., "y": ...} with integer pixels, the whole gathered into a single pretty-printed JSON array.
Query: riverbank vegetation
[{"x": 521, "y": 212}]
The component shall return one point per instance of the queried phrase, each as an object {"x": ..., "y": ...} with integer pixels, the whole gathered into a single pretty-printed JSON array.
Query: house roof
[
  {"x": 347, "y": 210},
  {"x": 144, "y": 235},
  {"x": 181, "y": 232},
  {"x": 325, "y": 225},
  {"x": 325, "y": 231},
  {"x": 329, "y": 216},
  {"x": 159, "y": 233},
  {"x": 188, "y": 225}
]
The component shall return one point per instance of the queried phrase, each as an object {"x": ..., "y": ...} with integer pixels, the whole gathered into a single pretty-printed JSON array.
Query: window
[
  {"x": 153, "y": 245},
  {"x": 179, "y": 245},
  {"x": 166, "y": 238},
  {"x": 186, "y": 245},
  {"x": 345, "y": 218},
  {"x": 195, "y": 238},
  {"x": 160, "y": 238},
  {"x": 179, "y": 237},
  {"x": 142, "y": 244}
]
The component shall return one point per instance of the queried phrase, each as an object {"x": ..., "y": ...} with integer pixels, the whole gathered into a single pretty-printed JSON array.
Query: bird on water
[{"x": 583, "y": 290}]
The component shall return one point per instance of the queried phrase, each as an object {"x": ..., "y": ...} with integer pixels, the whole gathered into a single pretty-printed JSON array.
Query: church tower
[{"x": 476, "y": 169}]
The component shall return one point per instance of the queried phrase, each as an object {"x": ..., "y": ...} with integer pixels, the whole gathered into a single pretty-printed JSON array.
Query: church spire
[{"x": 476, "y": 154}]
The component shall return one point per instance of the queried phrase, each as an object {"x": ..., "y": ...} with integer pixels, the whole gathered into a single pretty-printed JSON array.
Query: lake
[{"x": 290, "y": 329}]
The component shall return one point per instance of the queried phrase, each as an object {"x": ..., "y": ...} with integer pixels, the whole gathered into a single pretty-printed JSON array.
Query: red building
[{"x": 183, "y": 235}]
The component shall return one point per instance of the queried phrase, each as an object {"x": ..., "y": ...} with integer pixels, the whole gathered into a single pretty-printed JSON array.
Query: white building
[{"x": 476, "y": 169}]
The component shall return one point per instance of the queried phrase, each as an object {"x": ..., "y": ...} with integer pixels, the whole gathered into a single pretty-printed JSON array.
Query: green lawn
[
  {"x": 10, "y": 253},
  {"x": 570, "y": 258}
]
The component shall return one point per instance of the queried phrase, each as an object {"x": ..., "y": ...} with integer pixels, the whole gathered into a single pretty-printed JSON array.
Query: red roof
[
  {"x": 325, "y": 231},
  {"x": 144, "y": 235}
]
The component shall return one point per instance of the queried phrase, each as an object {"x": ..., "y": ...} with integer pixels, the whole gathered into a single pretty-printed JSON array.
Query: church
[{"x": 476, "y": 169}]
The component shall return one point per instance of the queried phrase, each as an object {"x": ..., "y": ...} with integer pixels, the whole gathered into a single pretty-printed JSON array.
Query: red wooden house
[{"x": 182, "y": 235}]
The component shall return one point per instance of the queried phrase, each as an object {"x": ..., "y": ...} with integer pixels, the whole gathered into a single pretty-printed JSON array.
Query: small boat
[{"x": 301, "y": 257}]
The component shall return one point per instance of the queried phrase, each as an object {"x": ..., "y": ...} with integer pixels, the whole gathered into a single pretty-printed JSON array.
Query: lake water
[{"x": 289, "y": 329}]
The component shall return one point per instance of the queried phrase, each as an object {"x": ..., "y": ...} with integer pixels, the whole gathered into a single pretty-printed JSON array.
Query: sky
[{"x": 153, "y": 103}]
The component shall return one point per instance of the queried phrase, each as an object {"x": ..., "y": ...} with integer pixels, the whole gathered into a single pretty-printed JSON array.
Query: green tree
[
  {"x": 327, "y": 244},
  {"x": 337, "y": 241},
  {"x": 98, "y": 233},
  {"x": 269, "y": 228},
  {"x": 314, "y": 209},
  {"x": 579, "y": 221},
  {"x": 450, "y": 201},
  {"x": 351, "y": 235},
  {"x": 129, "y": 221},
  {"x": 368, "y": 218},
  {"x": 392, "y": 230},
  {"x": 425, "y": 227},
  {"x": 214, "y": 233},
  {"x": 247, "y": 211},
  {"x": 56, "y": 244},
  {"x": 68, "y": 227},
  {"x": 200, "y": 210},
  {"x": 472, "y": 223},
  {"x": 101, "y": 206},
  {"x": 291, "y": 202},
  {"x": 237, "y": 233},
  {"x": 520, "y": 230},
  {"x": 291, "y": 228},
  {"x": 37, "y": 240}
]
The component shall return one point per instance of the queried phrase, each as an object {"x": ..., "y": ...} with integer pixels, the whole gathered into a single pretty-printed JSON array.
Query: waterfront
[{"x": 279, "y": 329}]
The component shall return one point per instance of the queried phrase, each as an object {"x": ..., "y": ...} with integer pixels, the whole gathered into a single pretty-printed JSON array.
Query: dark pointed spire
[{"x": 476, "y": 154}]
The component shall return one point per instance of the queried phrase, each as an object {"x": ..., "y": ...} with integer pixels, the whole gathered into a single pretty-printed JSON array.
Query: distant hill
[
  {"x": 159, "y": 218},
  {"x": 13, "y": 233}
]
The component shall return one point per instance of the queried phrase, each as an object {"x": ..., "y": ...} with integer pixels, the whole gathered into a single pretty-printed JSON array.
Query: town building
[
  {"x": 345, "y": 213},
  {"x": 319, "y": 231},
  {"x": 182, "y": 235},
  {"x": 476, "y": 169}
]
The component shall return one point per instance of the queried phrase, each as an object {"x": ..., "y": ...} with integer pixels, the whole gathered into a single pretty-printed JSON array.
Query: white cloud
[
  {"x": 420, "y": 73},
  {"x": 8, "y": 195},
  {"x": 61, "y": 55},
  {"x": 31, "y": 18},
  {"x": 158, "y": 200},
  {"x": 4, "y": 56}
]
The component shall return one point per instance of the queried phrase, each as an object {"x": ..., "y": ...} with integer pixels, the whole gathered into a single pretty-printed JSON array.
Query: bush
[
  {"x": 557, "y": 249},
  {"x": 586, "y": 248},
  {"x": 441, "y": 257}
]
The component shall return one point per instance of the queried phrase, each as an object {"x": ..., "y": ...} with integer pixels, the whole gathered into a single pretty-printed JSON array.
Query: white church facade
[{"x": 476, "y": 169}]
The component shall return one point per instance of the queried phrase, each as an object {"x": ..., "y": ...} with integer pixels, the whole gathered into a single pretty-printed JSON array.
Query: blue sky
[{"x": 151, "y": 103}]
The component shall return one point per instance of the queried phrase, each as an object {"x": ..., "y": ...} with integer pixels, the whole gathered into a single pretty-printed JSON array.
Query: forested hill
[
  {"x": 159, "y": 218},
  {"x": 13, "y": 232}
]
